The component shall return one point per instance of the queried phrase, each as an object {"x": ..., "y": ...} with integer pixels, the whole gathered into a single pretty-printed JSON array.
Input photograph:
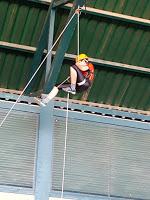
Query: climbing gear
[
  {"x": 81, "y": 57},
  {"x": 90, "y": 72},
  {"x": 81, "y": 83}
]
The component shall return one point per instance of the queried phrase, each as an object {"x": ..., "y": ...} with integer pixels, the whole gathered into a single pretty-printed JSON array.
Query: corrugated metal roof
[
  {"x": 138, "y": 8},
  {"x": 104, "y": 38},
  {"x": 21, "y": 22},
  {"x": 114, "y": 41}
]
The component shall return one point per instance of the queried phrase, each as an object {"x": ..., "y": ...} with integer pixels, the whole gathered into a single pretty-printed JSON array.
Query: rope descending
[
  {"x": 65, "y": 149},
  {"x": 36, "y": 70},
  {"x": 66, "y": 131}
]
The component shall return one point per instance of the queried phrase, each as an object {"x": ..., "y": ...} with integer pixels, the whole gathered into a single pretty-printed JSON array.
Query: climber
[{"x": 81, "y": 77}]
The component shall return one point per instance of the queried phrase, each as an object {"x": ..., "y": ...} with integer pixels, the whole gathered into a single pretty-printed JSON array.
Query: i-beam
[{"x": 97, "y": 62}]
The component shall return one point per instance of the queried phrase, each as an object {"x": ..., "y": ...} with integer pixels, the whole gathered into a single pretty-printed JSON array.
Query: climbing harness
[
  {"x": 37, "y": 70},
  {"x": 82, "y": 82}
]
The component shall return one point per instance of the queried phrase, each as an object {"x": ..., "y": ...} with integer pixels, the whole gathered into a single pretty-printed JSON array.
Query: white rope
[
  {"x": 66, "y": 132},
  {"x": 65, "y": 149},
  {"x": 36, "y": 71},
  {"x": 64, "y": 81},
  {"x": 78, "y": 32}
]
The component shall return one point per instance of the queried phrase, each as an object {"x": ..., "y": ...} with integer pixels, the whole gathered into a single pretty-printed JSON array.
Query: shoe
[{"x": 68, "y": 89}]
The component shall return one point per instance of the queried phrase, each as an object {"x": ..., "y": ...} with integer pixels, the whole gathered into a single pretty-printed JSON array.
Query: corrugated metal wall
[
  {"x": 21, "y": 22},
  {"x": 102, "y": 158},
  {"x": 138, "y": 8},
  {"x": 113, "y": 40},
  {"x": 17, "y": 148}
]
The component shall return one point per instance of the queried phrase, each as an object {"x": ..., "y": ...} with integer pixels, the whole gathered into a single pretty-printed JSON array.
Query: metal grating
[
  {"x": 102, "y": 159},
  {"x": 17, "y": 148}
]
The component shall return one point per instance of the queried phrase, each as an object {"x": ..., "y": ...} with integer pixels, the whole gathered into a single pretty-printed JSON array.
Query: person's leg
[
  {"x": 73, "y": 79},
  {"x": 73, "y": 76},
  {"x": 64, "y": 85},
  {"x": 77, "y": 80},
  {"x": 84, "y": 87},
  {"x": 79, "y": 76}
]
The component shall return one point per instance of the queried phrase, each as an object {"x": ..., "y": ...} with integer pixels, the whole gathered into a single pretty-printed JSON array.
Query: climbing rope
[
  {"x": 66, "y": 131},
  {"x": 78, "y": 32},
  {"x": 37, "y": 70},
  {"x": 64, "y": 81},
  {"x": 65, "y": 149}
]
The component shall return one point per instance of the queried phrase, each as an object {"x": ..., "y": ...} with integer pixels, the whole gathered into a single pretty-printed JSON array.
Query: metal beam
[
  {"x": 50, "y": 42},
  {"x": 122, "y": 66},
  {"x": 104, "y": 109},
  {"x": 60, "y": 2},
  {"x": 62, "y": 47},
  {"x": 107, "y": 14},
  {"x": 113, "y": 15},
  {"x": 97, "y": 62},
  {"x": 46, "y": 2},
  {"x": 43, "y": 41},
  {"x": 43, "y": 179},
  {"x": 26, "y": 104},
  {"x": 103, "y": 119},
  {"x": 18, "y": 47}
]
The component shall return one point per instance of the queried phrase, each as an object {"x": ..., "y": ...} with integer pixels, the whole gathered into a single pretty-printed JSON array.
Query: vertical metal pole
[
  {"x": 50, "y": 41},
  {"x": 43, "y": 179}
]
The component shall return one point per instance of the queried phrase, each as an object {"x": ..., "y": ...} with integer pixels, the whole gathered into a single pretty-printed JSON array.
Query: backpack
[{"x": 90, "y": 72}]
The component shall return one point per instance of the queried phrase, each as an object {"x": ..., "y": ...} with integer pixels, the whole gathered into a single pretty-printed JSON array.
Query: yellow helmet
[{"x": 81, "y": 57}]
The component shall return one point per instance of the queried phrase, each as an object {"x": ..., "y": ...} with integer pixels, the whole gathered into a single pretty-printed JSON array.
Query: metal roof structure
[{"x": 114, "y": 33}]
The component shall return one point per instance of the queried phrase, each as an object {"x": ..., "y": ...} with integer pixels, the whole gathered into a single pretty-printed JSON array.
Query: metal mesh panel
[
  {"x": 102, "y": 159},
  {"x": 17, "y": 148}
]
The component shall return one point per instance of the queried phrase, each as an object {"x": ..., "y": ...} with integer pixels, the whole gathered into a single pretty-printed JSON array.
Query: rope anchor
[{"x": 78, "y": 10}]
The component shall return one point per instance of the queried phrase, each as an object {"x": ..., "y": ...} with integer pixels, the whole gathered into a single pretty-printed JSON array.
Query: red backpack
[{"x": 90, "y": 72}]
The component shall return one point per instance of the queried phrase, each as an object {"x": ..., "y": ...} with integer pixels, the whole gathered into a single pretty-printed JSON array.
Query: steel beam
[
  {"x": 62, "y": 47},
  {"x": 47, "y": 2},
  {"x": 50, "y": 42},
  {"x": 43, "y": 41},
  {"x": 60, "y": 2},
  {"x": 43, "y": 178},
  {"x": 18, "y": 47},
  {"x": 96, "y": 61},
  {"x": 106, "y": 14},
  {"x": 113, "y": 15}
]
